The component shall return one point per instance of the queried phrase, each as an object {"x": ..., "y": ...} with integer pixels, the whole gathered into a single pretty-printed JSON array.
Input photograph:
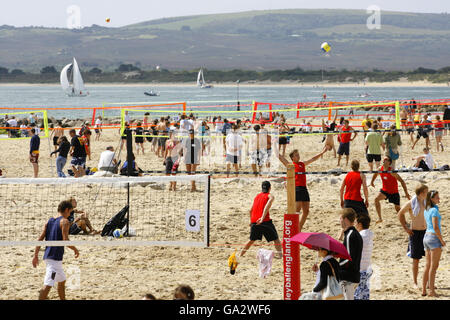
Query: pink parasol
[{"x": 321, "y": 240}]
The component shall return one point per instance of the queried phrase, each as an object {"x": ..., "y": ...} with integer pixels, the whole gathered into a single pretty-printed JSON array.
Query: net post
[
  {"x": 184, "y": 108},
  {"x": 298, "y": 110},
  {"x": 291, "y": 251},
  {"x": 129, "y": 173},
  {"x": 270, "y": 112},
  {"x": 255, "y": 106},
  {"x": 330, "y": 112},
  {"x": 208, "y": 206},
  {"x": 45, "y": 120},
  {"x": 397, "y": 114},
  {"x": 93, "y": 116}
]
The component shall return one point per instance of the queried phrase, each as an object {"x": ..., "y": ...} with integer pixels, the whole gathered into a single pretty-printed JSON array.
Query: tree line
[{"x": 134, "y": 74}]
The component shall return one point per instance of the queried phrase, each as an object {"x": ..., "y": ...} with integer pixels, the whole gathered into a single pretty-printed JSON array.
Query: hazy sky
[{"x": 53, "y": 13}]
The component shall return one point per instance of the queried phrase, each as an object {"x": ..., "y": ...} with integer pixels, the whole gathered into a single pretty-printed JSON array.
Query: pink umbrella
[{"x": 321, "y": 240}]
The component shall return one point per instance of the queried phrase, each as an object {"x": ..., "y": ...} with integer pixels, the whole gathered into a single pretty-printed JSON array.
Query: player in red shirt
[
  {"x": 352, "y": 184},
  {"x": 260, "y": 222},
  {"x": 344, "y": 142},
  {"x": 438, "y": 133},
  {"x": 301, "y": 191},
  {"x": 389, "y": 191}
]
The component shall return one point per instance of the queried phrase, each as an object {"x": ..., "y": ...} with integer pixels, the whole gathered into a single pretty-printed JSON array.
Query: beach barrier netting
[
  {"x": 18, "y": 125},
  {"x": 155, "y": 215}
]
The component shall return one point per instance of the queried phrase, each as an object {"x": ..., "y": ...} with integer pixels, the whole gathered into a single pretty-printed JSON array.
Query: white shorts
[{"x": 54, "y": 273}]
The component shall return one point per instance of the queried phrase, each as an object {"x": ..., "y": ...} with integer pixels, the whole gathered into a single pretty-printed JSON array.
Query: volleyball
[
  {"x": 117, "y": 233},
  {"x": 325, "y": 47}
]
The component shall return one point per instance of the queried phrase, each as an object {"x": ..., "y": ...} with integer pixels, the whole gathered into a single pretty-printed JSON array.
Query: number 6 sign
[{"x": 193, "y": 220}]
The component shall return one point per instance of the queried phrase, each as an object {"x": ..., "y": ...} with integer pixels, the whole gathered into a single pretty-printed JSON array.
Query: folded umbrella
[{"x": 321, "y": 240}]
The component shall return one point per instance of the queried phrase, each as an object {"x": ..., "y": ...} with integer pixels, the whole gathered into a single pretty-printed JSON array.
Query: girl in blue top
[{"x": 432, "y": 242}]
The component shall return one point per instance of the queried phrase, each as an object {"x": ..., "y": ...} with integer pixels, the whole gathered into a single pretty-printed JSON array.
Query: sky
[{"x": 61, "y": 13}]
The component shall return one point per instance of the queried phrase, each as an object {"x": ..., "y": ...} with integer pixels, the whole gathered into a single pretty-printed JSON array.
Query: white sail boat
[
  {"x": 77, "y": 89},
  {"x": 201, "y": 81}
]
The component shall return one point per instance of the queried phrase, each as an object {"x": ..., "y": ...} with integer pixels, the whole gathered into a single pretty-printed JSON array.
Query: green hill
[{"x": 254, "y": 40}]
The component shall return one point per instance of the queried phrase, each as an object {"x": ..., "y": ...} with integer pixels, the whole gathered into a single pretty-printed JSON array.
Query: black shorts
[
  {"x": 139, "y": 140},
  {"x": 266, "y": 229},
  {"x": 392, "y": 197},
  {"x": 301, "y": 194},
  {"x": 55, "y": 141},
  {"x": 358, "y": 206},
  {"x": 74, "y": 229},
  {"x": 371, "y": 157},
  {"x": 344, "y": 148},
  {"x": 415, "y": 246},
  {"x": 422, "y": 134},
  {"x": 283, "y": 140},
  {"x": 97, "y": 131}
]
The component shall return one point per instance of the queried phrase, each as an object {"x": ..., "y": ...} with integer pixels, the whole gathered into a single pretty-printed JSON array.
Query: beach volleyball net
[
  {"x": 111, "y": 112},
  {"x": 18, "y": 125},
  {"x": 155, "y": 215}
]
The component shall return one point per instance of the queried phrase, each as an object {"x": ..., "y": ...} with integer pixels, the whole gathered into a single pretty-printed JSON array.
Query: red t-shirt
[
  {"x": 259, "y": 203},
  {"x": 353, "y": 183},
  {"x": 345, "y": 137},
  {"x": 300, "y": 179},
  {"x": 390, "y": 184}
]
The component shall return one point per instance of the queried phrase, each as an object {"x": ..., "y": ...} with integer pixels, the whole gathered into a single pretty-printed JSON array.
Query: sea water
[{"x": 52, "y": 97}]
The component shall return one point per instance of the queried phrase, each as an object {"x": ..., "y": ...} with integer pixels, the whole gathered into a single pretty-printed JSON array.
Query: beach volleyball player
[
  {"x": 352, "y": 184},
  {"x": 302, "y": 199},
  {"x": 389, "y": 191},
  {"x": 56, "y": 229},
  {"x": 260, "y": 222}
]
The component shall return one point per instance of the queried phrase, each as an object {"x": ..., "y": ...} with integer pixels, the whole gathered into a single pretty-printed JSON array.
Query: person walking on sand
[
  {"x": 392, "y": 141},
  {"x": 302, "y": 199},
  {"x": 432, "y": 242},
  {"x": 365, "y": 269},
  {"x": 389, "y": 191},
  {"x": 416, "y": 231},
  {"x": 344, "y": 142},
  {"x": 34, "y": 151},
  {"x": 56, "y": 229},
  {"x": 350, "y": 192},
  {"x": 260, "y": 222},
  {"x": 374, "y": 142},
  {"x": 438, "y": 133},
  {"x": 349, "y": 272}
]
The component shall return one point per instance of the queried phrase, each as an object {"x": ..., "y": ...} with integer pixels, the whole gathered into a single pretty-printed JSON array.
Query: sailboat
[
  {"x": 77, "y": 89},
  {"x": 201, "y": 81}
]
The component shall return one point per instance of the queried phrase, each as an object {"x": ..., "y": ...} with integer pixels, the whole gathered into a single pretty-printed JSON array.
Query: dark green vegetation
[{"x": 276, "y": 40}]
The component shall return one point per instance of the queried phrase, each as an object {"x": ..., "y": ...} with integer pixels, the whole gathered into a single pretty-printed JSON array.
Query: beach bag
[
  {"x": 393, "y": 154},
  {"x": 117, "y": 222},
  {"x": 333, "y": 291}
]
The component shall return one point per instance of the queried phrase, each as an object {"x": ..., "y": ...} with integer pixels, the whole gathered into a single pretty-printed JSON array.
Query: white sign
[{"x": 193, "y": 220}]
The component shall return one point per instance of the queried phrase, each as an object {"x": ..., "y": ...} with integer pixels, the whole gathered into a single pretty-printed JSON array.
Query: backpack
[{"x": 117, "y": 222}]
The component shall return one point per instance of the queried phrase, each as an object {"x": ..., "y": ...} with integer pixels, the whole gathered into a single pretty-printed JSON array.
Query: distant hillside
[{"x": 255, "y": 40}]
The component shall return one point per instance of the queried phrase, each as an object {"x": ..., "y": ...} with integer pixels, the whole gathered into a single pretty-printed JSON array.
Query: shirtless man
[
  {"x": 57, "y": 133},
  {"x": 416, "y": 231},
  {"x": 162, "y": 131}
]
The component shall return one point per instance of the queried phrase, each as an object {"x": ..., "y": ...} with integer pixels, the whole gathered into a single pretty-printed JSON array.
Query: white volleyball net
[{"x": 156, "y": 216}]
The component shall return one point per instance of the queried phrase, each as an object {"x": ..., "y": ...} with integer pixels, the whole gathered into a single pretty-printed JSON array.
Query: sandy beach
[{"x": 130, "y": 272}]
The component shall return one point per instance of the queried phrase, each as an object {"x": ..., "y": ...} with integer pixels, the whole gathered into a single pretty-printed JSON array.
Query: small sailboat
[
  {"x": 77, "y": 88},
  {"x": 151, "y": 93},
  {"x": 201, "y": 81}
]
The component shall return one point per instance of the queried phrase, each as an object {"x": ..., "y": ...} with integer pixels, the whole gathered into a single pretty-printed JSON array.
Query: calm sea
[{"x": 48, "y": 97}]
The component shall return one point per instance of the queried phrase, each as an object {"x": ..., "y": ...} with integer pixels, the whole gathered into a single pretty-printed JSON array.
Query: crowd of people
[{"x": 190, "y": 139}]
